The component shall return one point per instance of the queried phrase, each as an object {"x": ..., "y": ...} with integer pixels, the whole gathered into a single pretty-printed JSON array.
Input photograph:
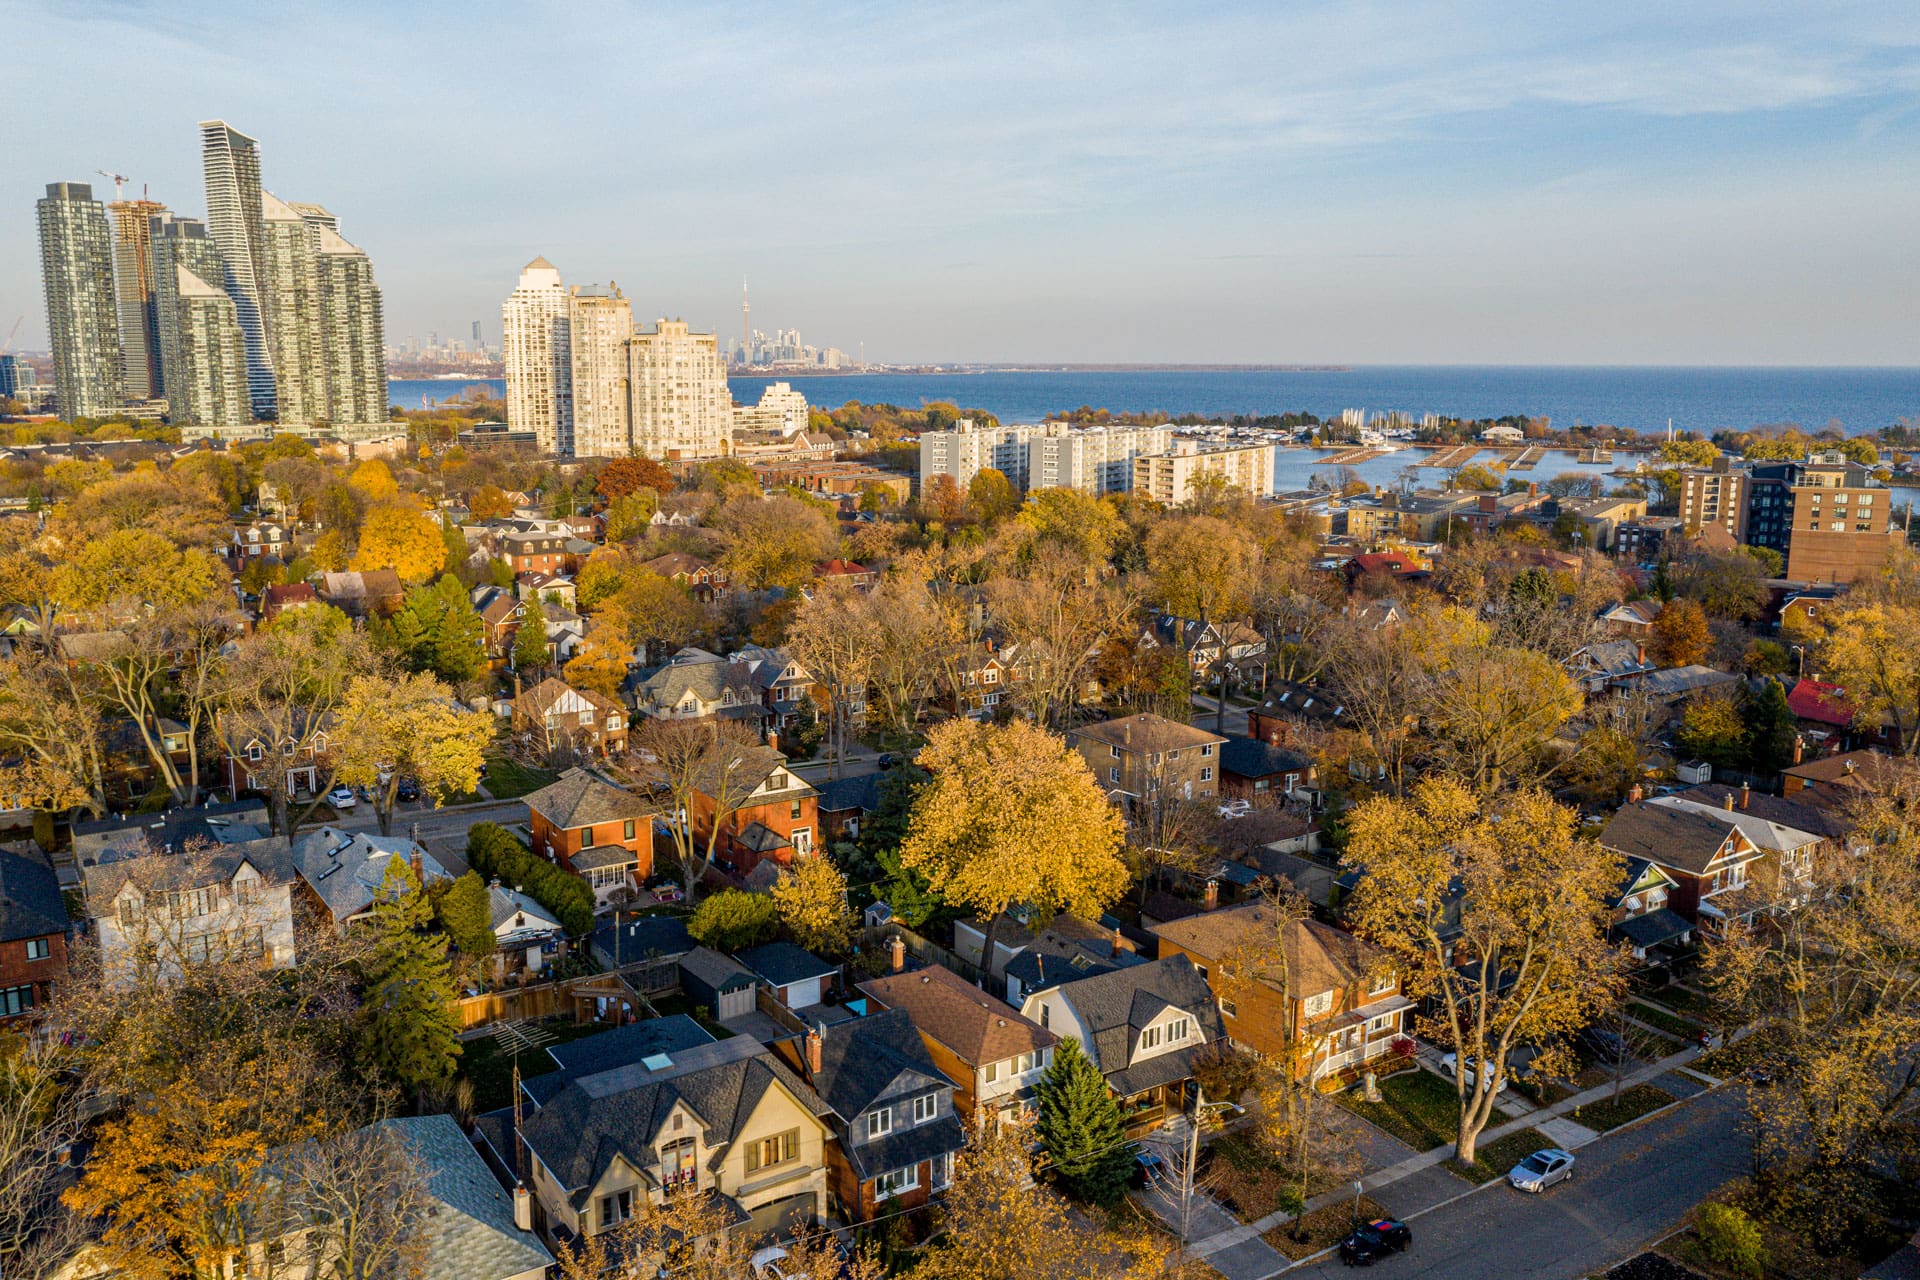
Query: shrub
[
  {"x": 1731, "y": 1239},
  {"x": 731, "y": 919},
  {"x": 496, "y": 855}
]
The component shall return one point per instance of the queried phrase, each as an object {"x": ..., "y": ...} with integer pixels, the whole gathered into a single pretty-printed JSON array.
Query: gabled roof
[
  {"x": 470, "y": 1235},
  {"x": 540, "y": 699},
  {"x": 1115, "y": 1007},
  {"x": 841, "y": 795},
  {"x": 1674, "y": 681},
  {"x": 511, "y": 905},
  {"x": 947, "y": 1008},
  {"x": 782, "y": 964},
  {"x": 1814, "y": 819},
  {"x": 675, "y": 562},
  {"x": 30, "y": 901},
  {"x": 347, "y": 869},
  {"x": 745, "y": 768},
  {"x": 1667, "y": 836},
  {"x": 1820, "y": 702},
  {"x": 104, "y": 876},
  {"x": 1302, "y": 701},
  {"x": 1611, "y": 658},
  {"x": 579, "y": 799},
  {"x": 707, "y": 678},
  {"x": 861, "y": 1059},
  {"x": 1870, "y": 770}
]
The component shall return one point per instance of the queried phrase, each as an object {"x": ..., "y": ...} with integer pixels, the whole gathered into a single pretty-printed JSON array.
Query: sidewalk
[{"x": 1551, "y": 1120}]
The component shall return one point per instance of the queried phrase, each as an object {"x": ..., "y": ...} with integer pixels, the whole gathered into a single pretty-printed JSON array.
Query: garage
[
  {"x": 780, "y": 1219},
  {"x": 715, "y": 982},
  {"x": 798, "y": 977}
]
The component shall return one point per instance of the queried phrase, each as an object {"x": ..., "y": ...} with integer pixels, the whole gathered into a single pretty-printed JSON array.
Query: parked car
[
  {"x": 1148, "y": 1167},
  {"x": 408, "y": 790},
  {"x": 1236, "y": 808},
  {"x": 342, "y": 797},
  {"x": 1541, "y": 1170},
  {"x": 766, "y": 1265},
  {"x": 1450, "y": 1067},
  {"x": 1605, "y": 1045},
  {"x": 886, "y": 760},
  {"x": 1375, "y": 1239}
]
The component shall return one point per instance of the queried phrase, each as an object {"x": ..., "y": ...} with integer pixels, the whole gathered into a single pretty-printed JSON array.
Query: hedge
[{"x": 497, "y": 855}]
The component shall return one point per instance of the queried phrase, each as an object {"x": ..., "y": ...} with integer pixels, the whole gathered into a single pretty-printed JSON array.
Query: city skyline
[{"x": 1306, "y": 185}]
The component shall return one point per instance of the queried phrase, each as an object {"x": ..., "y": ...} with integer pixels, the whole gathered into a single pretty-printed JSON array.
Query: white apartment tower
[
  {"x": 352, "y": 338},
  {"x": 209, "y": 388},
  {"x": 599, "y": 327},
  {"x": 533, "y": 352},
  {"x": 1175, "y": 478},
  {"x": 966, "y": 450},
  {"x": 231, "y": 161},
  {"x": 290, "y": 295},
  {"x": 76, "y": 268},
  {"x": 1098, "y": 461},
  {"x": 681, "y": 407}
]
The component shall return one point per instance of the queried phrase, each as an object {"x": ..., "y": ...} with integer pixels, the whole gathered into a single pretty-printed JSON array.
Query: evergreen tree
[
  {"x": 408, "y": 1027},
  {"x": 1771, "y": 728},
  {"x": 464, "y": 909},
  {"x": 530, "y": 641},
  {"x": 1081, "y": 1129}
]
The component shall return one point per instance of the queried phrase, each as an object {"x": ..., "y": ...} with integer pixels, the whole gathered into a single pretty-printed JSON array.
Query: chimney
[
  {"x": 1746, "y": 794},
  {"x": 1533, "y": 488},
  {"x": 522, "y": 1207},
  {"x": 1637, "y": 794},
  {"x": 419, "y": 867},
  {"x": 1799, "y": 748},
  {"x": 1213, "y": 895},
  {"x": 813, "y": 1052},
  {"x": 1116, "y": 942},
  {"x": 1729, "y": 802},
  {"x": 1640, "y": 652},
  {"x": 899, "y": 953}
]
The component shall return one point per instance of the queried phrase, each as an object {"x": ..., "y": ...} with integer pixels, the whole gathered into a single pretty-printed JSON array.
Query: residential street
[{"x": 1629, "y": 1189}]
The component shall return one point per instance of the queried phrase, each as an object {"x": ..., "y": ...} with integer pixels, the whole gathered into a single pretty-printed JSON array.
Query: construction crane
[
  {"x": 119, "y": 180},
  {"x": 11, "y": 335}
]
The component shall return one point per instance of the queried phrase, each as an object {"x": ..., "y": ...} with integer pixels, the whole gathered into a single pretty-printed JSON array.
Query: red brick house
[
  {"x": 851, "y": 572},
  {"x": 594, "y": 829},
  {"x": 1705, "y": 857},
  {"x": 33, "y": 935},
  {"x": 282, "y": 596},
  {"x": 773, "y": 817},
  {"x": 704, "y": 582},
  {"x": 534, "y": 552}
]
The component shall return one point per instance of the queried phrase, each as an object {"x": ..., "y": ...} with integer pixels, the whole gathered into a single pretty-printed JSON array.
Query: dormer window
[{"x": 879, "y": 1122}]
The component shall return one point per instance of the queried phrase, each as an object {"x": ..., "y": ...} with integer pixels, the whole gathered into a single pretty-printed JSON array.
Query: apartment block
[
  {"x": 1843, "y": 523},
  {"x": 76, "y": 268},
  {"x": 969, "y": 449},
  {"x": 1098, "y": 461},
  {"x": 1175, "y": 478},
  {"x": 599, "y": 326},
  {"x": 677, "y": 384}
]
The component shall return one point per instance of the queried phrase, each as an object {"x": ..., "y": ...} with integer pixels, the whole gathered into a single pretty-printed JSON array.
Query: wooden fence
[{"x": 922, "y": 949}]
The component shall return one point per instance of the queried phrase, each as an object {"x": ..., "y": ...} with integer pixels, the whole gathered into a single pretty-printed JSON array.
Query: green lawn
[
  {"x": 1496, "y": 1159},
  {"x": 509, "y": 780},
  {"x": 1611, "y": 1113},
  {"x": 1678, "y": 1028},
  {"x": 1417, "y": 1107},
  {"x": 491, "y": 1071}
]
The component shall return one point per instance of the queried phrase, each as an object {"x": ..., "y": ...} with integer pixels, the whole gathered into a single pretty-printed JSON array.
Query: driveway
[{"x": 1629, "y": 1189}]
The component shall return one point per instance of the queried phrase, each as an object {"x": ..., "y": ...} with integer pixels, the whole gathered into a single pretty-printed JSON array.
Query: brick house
[
  {"x": 890, "y": 1111},
  {"x": 1638, "y": 914},
  {"x": 993, "y": 1054},
  {"x": 534, "y": 551},
  {"x": 1706, "y": 858},
  {"x": 305, "y": 763},
  {"x": 1149, "y": 758},
  {"x": 33, "y": 935},
  {"x": 560, "y": 716},
  {"x": 703, "y": 581},
  {"x": 1251, "y": 769},
  {"x": 774, "y": 815},
  {"x": 594, "y": 829},
  {"x": 1293, "y": 713},
  {"x": 1346, "y": 1005},
  {"x": 282, "y": 596},
  {"x": 262, "y": 538}
]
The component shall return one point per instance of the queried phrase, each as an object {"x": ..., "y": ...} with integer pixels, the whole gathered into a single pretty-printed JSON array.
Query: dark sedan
[{"x": 1375, "y": 1239}]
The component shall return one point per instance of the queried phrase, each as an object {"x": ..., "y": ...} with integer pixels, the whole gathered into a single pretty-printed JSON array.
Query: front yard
[
  {"x": 1496, "y": 1159},
  {"x": 1611, "y": 1113},
  {"x": 1323, "y": 1228},
  {"x": 1417, "y": 1107}
]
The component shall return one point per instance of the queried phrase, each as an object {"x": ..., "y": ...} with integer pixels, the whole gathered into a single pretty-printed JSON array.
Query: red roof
[
  {"x": 1820, "y": 702},
  {"x": 839, "y": 566},
  {"x": 1383, "y": 562}
]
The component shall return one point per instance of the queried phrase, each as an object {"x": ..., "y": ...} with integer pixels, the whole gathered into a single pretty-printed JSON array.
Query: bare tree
[
  {"x": 835, "y": 638},
  {"x": 39, "y": 1122},
  {"x": 675, "y": 756},
  {"x": 176, "y": 651},
  {"x": 363, "y": 1200},
  {"x": 1058, "y": 611}
]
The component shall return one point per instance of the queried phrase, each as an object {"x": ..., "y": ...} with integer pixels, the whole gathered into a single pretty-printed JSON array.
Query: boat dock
[
  {"x": 1457, "y": 456},
  {"x": 1351, "y": 457},
  {"x": 1529, "y": 458}
]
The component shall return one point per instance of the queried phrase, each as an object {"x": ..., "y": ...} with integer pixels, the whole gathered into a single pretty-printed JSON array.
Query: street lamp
[{"x": 1801, "y": 650}]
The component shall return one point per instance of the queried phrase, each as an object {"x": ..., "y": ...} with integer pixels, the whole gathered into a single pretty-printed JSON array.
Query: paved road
[
  {"x": 1206, "y": 716},
  {"x": 1628, "y": 1189},
  {"x": 442, "y": 831}
]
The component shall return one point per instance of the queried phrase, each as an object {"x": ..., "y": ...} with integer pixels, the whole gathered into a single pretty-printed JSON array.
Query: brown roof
[
  {"x": 946, "y": 1008},
  {"x": 1319, "y": 957},
  {"x": 579, "y": 799},
  {"x": 1867, "y": 769},
  {"x": 536, "y": 700},
  {"x": 1667, "y": 837},
  {"x": 1147, "y": 732},
  {"x": 675, "y": 562}
]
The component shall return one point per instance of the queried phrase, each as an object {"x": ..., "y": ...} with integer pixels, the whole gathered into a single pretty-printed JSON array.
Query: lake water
[{"x": 1703, "y": 399}]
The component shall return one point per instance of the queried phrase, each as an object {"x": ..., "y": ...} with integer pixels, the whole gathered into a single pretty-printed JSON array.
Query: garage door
[
  {"x": 804, "y": 995},
  {"x": 734, "y": 1004},
  {"x": 781, "y": 1219}
]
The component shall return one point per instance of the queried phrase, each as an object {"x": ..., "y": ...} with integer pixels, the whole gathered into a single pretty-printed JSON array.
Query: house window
[
  {"x": 1022, "y": 1063},
  {"x": 16, "y": 1000},
  {"x": 879, "y": 1122},
  {"x": 793, "y": 811},
  {"x": 626, "y": 830},
  {"x": 1150, "y": 1038},
  {"x": 1046, "y": 1016},
  {"x": 1114, "y": 751},
  {"x": 1206, "y": 751},
  {"x": 39, "y": 948},
  {"x": 1113, "y": 775},
  {"x": 1317, "y": 1005},
  {"x": 989, "y": 676},
  {"x": 1206, "y": 773},
  {"x": 942, "y": 1166},
  {"x": 1178, "y": 1030},
  {"x": 926, "y": 1107},
  {"x": 253, "y": 751},
  {"x": 991, "y": 1072},
  {"x": 1227, "y": 1007},
  {"x": 586, "y": 719},
  {"x": 615, "y": 1209},
  {"x": 777, "y": 1150},
  {"x": 1380, "y": 984},
  {"x": 892, "y": 1184}
]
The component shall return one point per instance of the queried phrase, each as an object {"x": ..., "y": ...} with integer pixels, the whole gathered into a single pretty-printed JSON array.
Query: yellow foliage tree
[
  {"x": 812, "y": 902},
  {"x": 136, "y": 566},
  {"x": 372, "y": 480},
  {"x": 1012, "y": 815},
  {"x": 401, "y": 537},
  {"x": 408, "y": 727},
  {"x": 1498, "y": 913}
]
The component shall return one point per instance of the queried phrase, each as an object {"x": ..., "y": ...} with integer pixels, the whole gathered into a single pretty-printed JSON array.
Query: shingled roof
[
  {"x": 30, "y": 902},
  {"x": 947, "y": 1008},
  {"x": 1319, "y": 957},
  {"x": 471, "y": 1235},
  {"x": 1668, "y": 837},
  {"x": 1115, "y": 1007},
  {"x": 579, "y": 799},
  {"x": 1147, "y": 732}
]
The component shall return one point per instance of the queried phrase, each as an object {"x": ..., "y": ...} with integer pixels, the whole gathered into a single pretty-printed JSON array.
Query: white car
[
  {"x": 1236, "y": 808},
  {"x": 1450, "y": 1065},
  {"x": 766, "y": 1265},
  {"x": 1541, "y": 1170},
  {"x": 342, "y": 798}
]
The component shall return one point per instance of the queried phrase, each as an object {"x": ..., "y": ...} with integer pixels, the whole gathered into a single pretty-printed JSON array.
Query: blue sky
[{"x": 1410, "y": 182}]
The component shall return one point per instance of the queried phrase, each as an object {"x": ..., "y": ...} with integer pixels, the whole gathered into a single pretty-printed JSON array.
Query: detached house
[
  {"x": 1707, "y": 859},
  {"x": 1608, "y": 664},
  {"x": 1209, "y": 646},
  {"x": 303, "y": 760},
  {"x": 703, "y": 581},
  {"x": 33, "y": 935},
  {"x": 1345, "y": 1006},
  {"x": 596, "y": 830},
  {"x": 696, "y": 684},
  {"x": 263, "y": 538},
  {"x": 726, "y": 1119},
  {"x": 1150, "y": 759},
  {"x": 1639, "y": 915},
  {"x": 1293, "y": 712},
  {"x": 765, "y": 811},
  {"x": 895, "y": 1132},
  {"x": 993, "y": 1054},
  {"x": 345, "y": 873},
  {"x": 170, "y": 909},
  {"x": 1140, "y": 1026},
  {"x": 561, "y": 717}
]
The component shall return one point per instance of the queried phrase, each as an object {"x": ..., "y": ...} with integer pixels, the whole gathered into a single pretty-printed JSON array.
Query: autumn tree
[
  {"x": 409, "y": 1027},
  {"x": 811, "y": 900},
  {"x": 1201, "y": 567},
  {"x": 1497, "y": 913},
  {"x": 1012, "y": 815},
  {"x": 489, "y": 502},
  {"x": 169, "y": 660},
  {"x": 373, "y": 480},
  {"x": 1058, "y": 611},
  {"x": 408, "y": 727},
  {"x": 1491, "y": 710},
  {"x": 399, "y": 535},
  {"x": 991, "y": 496},
  {"x": 1870, "y": 645},
  {"x": 1075, "y": 520},
  {"x": 52, "y": 739},
  {"x": 683, "y": 759},
  {"x": 136, "y": 567},
  {"x": 40, "y": 1120},
  {"x": 623, "y": 476},
  {"x": 772, "y": 542},
  {"x": 834, "y": 637},
  {"x": 1681, "y": 637},
  {"x": 356, "y": 1206},
  {"x": 1711, "y": 729},
  {"x": 630, "y": 515},
  {"x": 942, "y": 500}
]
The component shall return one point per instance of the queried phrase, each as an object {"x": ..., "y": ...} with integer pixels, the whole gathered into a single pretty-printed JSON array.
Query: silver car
[{"x": 1541, "y": 1170}]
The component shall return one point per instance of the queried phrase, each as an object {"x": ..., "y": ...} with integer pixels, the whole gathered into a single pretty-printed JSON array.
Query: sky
[{"x": 1351, "y": 182}]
